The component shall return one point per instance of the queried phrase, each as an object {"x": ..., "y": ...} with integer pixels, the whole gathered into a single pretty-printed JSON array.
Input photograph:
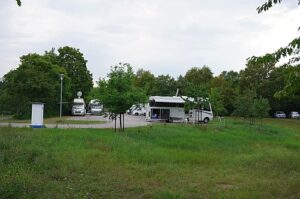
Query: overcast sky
[{"x": 163, "y": 36}]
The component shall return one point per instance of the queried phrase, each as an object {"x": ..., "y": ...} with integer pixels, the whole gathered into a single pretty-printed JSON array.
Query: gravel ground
[{"x": 130, "y": 121}]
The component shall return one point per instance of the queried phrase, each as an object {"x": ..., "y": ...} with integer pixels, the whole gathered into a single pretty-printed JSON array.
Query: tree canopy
[
  {"x": 35, "y": 80},
  {"x": 119, "y": 93},
  {"x": 75, "y": 65}
]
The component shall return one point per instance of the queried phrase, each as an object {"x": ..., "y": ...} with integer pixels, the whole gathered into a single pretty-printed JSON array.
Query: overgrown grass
[{"x": 173, "y": 161}]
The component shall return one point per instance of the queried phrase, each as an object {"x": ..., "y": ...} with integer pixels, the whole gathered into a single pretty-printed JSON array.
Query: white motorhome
[
  {"x": 95, "y": 107},
  {"x": 78, "y": 107},
  {"x": 161, "y": 108}
]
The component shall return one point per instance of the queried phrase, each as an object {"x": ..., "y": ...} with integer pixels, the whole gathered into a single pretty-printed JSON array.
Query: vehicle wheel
[
  {"x": 206, "y": 120},
  {"x": 136, "y": 114}
]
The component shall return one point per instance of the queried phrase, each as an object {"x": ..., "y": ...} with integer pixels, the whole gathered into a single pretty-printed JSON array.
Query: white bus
[{"x": 161, "y": 108}]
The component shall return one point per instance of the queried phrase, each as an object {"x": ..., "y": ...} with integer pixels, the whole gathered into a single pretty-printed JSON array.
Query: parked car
[
  {"x": 129, "y": 111},
  {"x": 294, "y": 115},
  {"x": 139, "y": 111},
  {"x": 279, "y": 114}
]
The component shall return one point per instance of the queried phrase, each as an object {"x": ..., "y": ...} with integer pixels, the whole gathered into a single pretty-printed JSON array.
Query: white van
[
  {"x": 95, "y": 107},
  {"x": 78, "y": 107}
]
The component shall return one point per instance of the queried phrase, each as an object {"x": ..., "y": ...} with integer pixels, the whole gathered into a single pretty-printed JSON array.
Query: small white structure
[{"x": 37, "y": 115}]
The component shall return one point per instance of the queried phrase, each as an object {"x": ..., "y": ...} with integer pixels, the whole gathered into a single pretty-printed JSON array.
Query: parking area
[
  {"x": 130, "y": 121},
  {"x": 104, "y": 122}
]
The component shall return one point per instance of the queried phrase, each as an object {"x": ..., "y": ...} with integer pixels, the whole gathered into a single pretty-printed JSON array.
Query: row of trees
[
  {"x": 37, "y": 80},
  {"x": 261, "y": 77}
]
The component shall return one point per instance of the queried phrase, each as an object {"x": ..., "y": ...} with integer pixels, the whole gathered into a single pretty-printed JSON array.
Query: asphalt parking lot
[
  {"x": 104, "y": 122},
  {"x": 130, "y": 121}
]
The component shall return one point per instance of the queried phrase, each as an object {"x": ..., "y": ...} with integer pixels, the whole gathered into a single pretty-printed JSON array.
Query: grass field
[{"x": 173, "y": 161}]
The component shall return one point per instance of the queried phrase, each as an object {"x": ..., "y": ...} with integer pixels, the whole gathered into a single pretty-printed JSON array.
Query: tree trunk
[
  {"x": 120, "y": 122},
  {"x": 123, "y": 122},
  {"x": 115, "y": 122}
]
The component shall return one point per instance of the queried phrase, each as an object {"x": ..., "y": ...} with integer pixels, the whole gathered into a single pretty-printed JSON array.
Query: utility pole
[{"x": 61, "y": 81}]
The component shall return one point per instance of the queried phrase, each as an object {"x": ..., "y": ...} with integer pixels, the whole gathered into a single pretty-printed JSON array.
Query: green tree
[
  {"x": 232, "y": 78},
  {"x": 257, "y": 73},
  {"x": 198, "y": 82},
  {"x": 292, "y": 50},
  {"x": 94, "y": 94},
  {"x": 227, "y": 84},
  {"x": 216, "y": 101},
  {"x": 75, "y": 65},
  {"x": 291, "y": 78},
  {"x": 118, "y": 93},
  {"x": 145, "y": 80},
  {"x": 19, "y": 2},
  {"x": 261, "y": 108},
  {"x": 165, "y": 85},
  {"x": 243, "y": 106},
  {"x": 35, "y": 80},
  {"x": 199, "y": 76}
]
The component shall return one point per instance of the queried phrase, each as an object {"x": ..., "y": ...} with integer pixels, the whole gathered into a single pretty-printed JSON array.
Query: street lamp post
[{"x": 61, "y": 81}]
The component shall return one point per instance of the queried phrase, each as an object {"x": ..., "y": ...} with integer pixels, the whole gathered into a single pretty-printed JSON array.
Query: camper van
[
  {"x": 95, "y": 107},
  {"x": 200, "y": 115},
  {"x": 78, "y": 107},
  {"x": 161, "y": 108}
]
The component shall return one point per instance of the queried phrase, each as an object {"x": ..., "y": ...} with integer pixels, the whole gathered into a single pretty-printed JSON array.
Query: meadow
[{"x": 235, "y": 160}]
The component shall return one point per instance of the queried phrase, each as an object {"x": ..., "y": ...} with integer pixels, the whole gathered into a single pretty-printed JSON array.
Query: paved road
[{"x": 130, "y": 121}]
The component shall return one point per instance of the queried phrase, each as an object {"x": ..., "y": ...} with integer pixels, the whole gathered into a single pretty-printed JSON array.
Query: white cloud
[{"x": 167, "y": 36}]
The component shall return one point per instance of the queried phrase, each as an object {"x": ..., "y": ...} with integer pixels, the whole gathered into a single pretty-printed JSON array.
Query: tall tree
[
  {"x": 35, "y": 80},
  {"x": 244, "y": 105},
  {"x": 216, "y": 101},
  {"x": 75, "y": 65},
  {"x": 118, "y": 93},
  {"x": 257, "y": 72},
  {"x": 261, "y": 108},
  {"x": 199, "y": 76},
  {"x": 165, "y": 85},
  {"x": 145, "y": 80}
]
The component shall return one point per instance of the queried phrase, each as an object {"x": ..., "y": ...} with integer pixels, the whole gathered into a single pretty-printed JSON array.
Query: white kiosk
[{"x": 37, "y": 115}]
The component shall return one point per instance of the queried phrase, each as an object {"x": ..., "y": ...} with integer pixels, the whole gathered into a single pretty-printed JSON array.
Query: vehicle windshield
[
  {"x": 78, "y": 105},
  {"x": 96, "y": 106},
  {"x": 280, "y": 112}
]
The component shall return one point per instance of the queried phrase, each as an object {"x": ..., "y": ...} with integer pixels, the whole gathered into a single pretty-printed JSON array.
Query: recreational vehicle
[
  {"x": 201, "y": 115},
  {"x": 162, "y": 108},
  {"x": 95, "y": 107},
  {"x": 78, "y": 107},
  {"x": 171, "y": 109}
]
